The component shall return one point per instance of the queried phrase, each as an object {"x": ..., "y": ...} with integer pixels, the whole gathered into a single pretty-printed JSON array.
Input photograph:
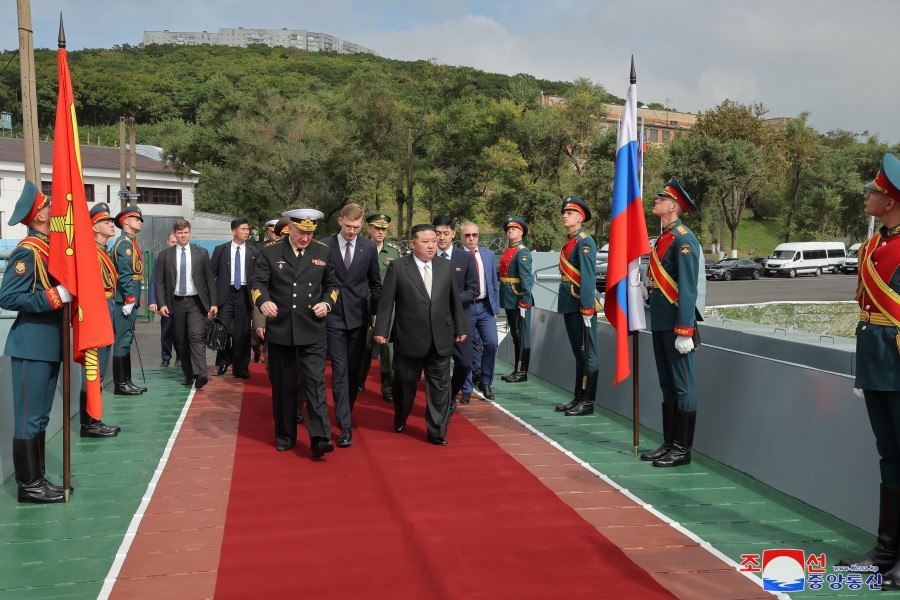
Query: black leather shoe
[
  {"x": 300, "y": 419},
  {"x": 580, "y": 409},
  {"x": 187, "y": 381},
  {"x": 566, "y": 407},
  {"x": 98, "y": 429},
  {"x": 201, "y": 381},
  {"x": 164, "y": 363},
  {"x": 399, "y": 428},
  {"x": 486, "y": 391},
  {"x": 242, "y": 375},
  {"x": 388, "y": 398},
  {"x": 136, "y": 388},
  {"x": 465, "y": 397},
  {"x": 345, "y": 440},
  {"x": 40, "y": 492},
  {"x": 517, "y": 377},
  {"x": 222, "y": 369},
  {"x": 284, "y": 446},
  {"x": 123, "y": 389},
  {"x": 437, "y": 441},
  {"x": 322, "y": 447}
]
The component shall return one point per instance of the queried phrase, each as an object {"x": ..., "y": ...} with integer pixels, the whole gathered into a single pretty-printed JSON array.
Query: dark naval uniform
[
  {"x": 878, "y": 364},
  {"x": 34, "y": 345},
  {"x": 674, "y": 275},
  {"x": 129, "y": 261},
  {"x": 296, "y": 338},
  {"x": 516, "y": 281},
  {"x": 386, "y": 255},
  {"x": 577, "y": 286}
]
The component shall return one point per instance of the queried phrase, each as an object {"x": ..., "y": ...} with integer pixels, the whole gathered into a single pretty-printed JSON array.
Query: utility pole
[{"x": 29, "y": 94}]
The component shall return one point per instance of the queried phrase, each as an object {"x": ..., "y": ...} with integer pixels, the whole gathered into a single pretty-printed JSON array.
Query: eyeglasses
[{"x": 470, "y": 235}]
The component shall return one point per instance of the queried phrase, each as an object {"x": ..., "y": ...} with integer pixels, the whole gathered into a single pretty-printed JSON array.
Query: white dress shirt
[
  {"x": 243, "y": 248},
  {"x": 190, "y": 289}
]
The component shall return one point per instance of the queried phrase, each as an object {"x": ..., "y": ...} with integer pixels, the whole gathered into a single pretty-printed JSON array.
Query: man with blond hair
[{"x": 355, "y": 262}]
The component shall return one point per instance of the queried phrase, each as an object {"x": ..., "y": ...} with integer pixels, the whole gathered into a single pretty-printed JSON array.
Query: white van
[
  {"x": 810, "y": 258},
  {"x": 852, "y": 263}
]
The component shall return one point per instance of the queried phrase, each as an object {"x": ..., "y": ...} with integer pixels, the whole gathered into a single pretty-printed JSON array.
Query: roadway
[{"x": 824, "y": 288}]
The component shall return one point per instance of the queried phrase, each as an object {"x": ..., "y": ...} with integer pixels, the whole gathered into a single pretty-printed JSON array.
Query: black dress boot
[
  {"x": 521, "y": 372},
  {"x": 515, "y": 365},
  {"x": 890, "y": 581},
  {"x": 127, "y": 364},
  {"x": 586, "y": 405},
  {"x": 579, "y": 373},
  {"x": 121, "y": 388},
  {"x": 682, "y": 440},
  {"x": 91, "y": 427},
  {"x": 42, "y": 453},
  {"x": 33, "y": 488},
  {"x": 887, "y": 547},
  {"x": 668, "y": 419}
]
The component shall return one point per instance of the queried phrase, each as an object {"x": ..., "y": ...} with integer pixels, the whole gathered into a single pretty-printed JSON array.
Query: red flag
[{"x": 73, "y": 255}]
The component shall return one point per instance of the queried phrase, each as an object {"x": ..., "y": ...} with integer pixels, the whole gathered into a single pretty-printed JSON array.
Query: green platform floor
[
  {"x": 65, "y": 551},
  {"x": 732, "y": 511}
]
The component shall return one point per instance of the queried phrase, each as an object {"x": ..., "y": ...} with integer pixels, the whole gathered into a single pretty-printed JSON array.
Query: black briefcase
[{"x": 217, "y": 337}]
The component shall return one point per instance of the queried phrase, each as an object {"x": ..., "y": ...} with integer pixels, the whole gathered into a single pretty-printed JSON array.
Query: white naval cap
[{"x": 304, "y": 219}]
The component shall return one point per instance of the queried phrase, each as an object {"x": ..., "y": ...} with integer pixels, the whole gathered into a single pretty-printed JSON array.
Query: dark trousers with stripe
[
  {"x": 519, "y": 327},
  {"x": 124, "y": 329},
  {"x": 575, "y": 329},
  {"x": 284, "y": 364},
  {"x": 884, "y": 415},
  {"x": 676, "y": 372},
  {"x": 34, "y": 385}
]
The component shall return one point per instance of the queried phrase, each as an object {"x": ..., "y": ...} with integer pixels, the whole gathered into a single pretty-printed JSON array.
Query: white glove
[
  {"x": 684, "y": 344},
  {"x": 587, "y": 320},
  {"x": 522, "y": 312},
  {"x": 645, "y": 293},
  {"x": 126, "y": 310},
  {"x": 64, "y": 294},
  {"x": 858, "y": 393}
]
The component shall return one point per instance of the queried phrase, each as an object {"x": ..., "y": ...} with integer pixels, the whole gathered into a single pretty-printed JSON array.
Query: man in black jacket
[
  {"x": 233, "y": 264},
  {"x": 355, "y": 262},
  {"x": 294, "y": 288},
  {"x": 186, "y": 291},
  {"x": 428, "y": 319}
]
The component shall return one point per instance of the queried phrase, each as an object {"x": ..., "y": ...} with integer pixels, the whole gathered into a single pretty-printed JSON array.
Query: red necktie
[{"x": 477, "y": 271}]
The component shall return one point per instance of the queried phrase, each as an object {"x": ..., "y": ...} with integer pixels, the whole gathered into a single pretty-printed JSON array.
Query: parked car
[
  {"x": 761, "y": 260},
  {"x": 851, "y": 265},
  {"x": 732, "y": 268},
  {"x": 603, "y": 258}
]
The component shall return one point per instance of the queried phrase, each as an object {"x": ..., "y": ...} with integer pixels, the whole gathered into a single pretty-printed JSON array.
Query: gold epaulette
[
  {"x": 321, "y": 243},
  {"x": 681, "y": 229}
]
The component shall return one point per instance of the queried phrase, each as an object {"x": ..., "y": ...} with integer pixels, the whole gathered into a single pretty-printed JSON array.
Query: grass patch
[
  {"x": 839, "y": 318},
  {"x": 757, "y": 237}
]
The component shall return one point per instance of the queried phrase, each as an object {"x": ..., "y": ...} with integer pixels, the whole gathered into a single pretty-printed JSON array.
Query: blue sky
[{"x": 837, "y": 59}]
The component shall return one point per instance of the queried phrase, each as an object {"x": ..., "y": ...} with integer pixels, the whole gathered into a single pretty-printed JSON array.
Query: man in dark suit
[
  {"x": 355, "y": 261},
  {"x": 186, "y": 290},
  {"x": 233, "y": 264},
  {"x": 466, "y": 275},
  {"x": 165, "y": 323},
  {"x": 294, "y": 288},
  {"x": 428, "y": 318},
  {"x": 484, "y": 311}
]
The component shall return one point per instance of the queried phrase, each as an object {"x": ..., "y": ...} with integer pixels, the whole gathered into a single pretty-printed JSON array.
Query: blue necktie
[
  {"x": 182, "y": 274},
  {"x": 347, "y": 257},
  {"x": 237, "y": 268}
]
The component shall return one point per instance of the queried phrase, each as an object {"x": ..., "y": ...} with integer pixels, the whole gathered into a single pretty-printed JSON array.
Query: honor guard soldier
[
  {"x": 34, "y": 344},
  {"x": 104, "y": 229},
  {"x": 578, "y": 304},
  {"x": 378, "y": 225},
  {"x": 878, "y": 362},
  {"x": 516, "y": 281},
  {"x": 294, "y": 287},
  {"x": 674, "y": 276},
  {"x": 129, "y": 261}
]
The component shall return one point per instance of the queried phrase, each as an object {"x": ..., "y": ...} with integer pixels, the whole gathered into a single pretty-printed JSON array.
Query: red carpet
[{"x": 395, "y": 517}]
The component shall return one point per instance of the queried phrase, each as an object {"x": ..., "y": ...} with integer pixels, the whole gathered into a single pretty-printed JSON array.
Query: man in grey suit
[
  {"x": 186, "y": 291},
  {"x": 428, "y": 319}
]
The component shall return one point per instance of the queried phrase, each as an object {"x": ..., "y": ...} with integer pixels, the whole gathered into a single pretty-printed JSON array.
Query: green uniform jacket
[
  {"x": 679, "y": 253},
  {"x": 385, "y": 256},
  {"x": 36, "y": 334},
  {"x": 878, "y": 346},
  {"x": 295, "y": 284},
  {"x": 583, "y": 257},
  {"x": 129, "y": 261},
  {"x": 520, "y": 267}
]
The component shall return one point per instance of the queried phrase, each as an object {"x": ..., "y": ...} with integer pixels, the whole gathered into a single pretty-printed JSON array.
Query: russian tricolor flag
[{"x": 623, "y": 303}]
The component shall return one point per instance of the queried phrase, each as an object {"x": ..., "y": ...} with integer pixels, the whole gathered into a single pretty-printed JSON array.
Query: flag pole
[
  {"x": 66, "y": 359},
  {"x": 635, "y": 385}
]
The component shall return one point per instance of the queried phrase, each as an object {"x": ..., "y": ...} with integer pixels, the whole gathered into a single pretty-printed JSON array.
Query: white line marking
[
  {"x": 648, "y": 507},
  {"x": 125, "y": 546}
]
